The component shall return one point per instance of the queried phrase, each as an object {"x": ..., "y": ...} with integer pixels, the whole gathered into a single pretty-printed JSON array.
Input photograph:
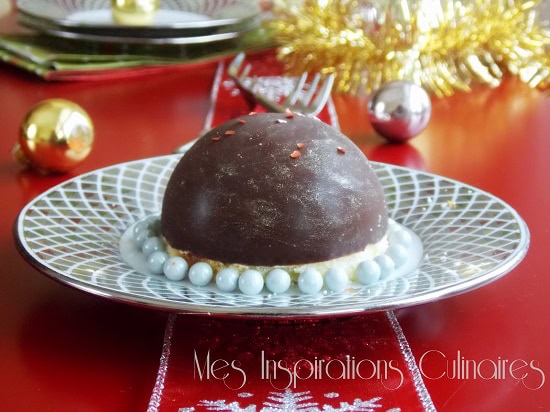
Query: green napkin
[{"x": 64, "y": 59}]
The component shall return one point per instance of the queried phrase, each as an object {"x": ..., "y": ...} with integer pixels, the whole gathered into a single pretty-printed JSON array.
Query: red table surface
[{"x": 64, "y": 350}]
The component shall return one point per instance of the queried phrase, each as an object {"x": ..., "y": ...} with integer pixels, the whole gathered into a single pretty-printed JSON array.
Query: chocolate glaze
[{"x": 238, "y": 196}]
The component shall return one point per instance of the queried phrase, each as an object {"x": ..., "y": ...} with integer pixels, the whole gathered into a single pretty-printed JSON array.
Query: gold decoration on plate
[
  {"x": 134, "y": 12},
  {"x": 442, "y": 45},
  {"x": 55, "y": 136}
]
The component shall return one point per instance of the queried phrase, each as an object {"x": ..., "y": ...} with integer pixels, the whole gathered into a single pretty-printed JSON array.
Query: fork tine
[
  {"x": 306, "y": 98},
  {"x": 236, "y": 64},
  {"x": 239, "y": 78},
  {"x": 295, "y": 93},
  {"x": 244, "y": 74},
  {"x": 322, "y": 95}
]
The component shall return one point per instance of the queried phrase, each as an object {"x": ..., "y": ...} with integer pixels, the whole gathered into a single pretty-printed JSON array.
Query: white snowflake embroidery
[
  {"x": 289, "y": 401},
  {"x": 221, "y": 405},
  {"x": 357, "y": 406}
]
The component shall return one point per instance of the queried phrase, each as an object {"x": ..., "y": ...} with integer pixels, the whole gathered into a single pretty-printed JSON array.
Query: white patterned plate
[{"x": 72, "y": 234}]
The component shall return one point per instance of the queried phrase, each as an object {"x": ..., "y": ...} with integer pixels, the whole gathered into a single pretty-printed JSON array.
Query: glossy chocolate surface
[{"x": 273, "y": 189}]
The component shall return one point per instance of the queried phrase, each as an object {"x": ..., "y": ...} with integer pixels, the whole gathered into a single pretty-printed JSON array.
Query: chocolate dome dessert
[{"x": 273, "y": 190}]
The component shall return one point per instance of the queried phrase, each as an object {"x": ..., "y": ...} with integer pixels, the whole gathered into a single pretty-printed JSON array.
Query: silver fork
[
  {"x": 306, "y": 98},
  {"x": 299, "y": 100}
]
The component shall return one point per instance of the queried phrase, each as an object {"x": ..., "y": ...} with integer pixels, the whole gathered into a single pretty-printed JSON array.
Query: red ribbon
[{"x": 360, "y": 363}]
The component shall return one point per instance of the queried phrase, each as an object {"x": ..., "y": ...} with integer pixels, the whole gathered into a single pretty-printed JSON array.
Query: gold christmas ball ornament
[
  {"x": 55, "y": 136},
  {"x": 134, "y": 12}
]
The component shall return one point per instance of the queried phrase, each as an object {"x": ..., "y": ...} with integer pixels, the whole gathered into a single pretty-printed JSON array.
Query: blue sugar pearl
[
  {"x": 387, "y": 266},
  {"x": 155, "y": 261},
  {"x": 141, "y": 237},
  {"x": 310, "y": 281},
  {"x": 251, "y": 282},
  {"x": 226, "y": 279},
  {"x": 398, "y": 253},
  {"x": 368, "y": 272},
  {"x": 336, "y": 279},
  {"x": 175, "y": 268},
  {"x": 401, "y": 237},
  {"x": 138, "y": 227},
  {"x": 200, "y": 274},
  {"x": 277, "y": 281},
  {"x": 393, "y": 225},
  {"x": 151, "y": 245}
]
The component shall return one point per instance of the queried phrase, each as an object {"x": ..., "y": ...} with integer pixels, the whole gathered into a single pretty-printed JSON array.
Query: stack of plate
[{"x": 176, "y": 21}]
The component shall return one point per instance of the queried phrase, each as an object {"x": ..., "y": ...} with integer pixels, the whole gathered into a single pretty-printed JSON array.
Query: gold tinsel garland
[{"x": 443, "y": 45}]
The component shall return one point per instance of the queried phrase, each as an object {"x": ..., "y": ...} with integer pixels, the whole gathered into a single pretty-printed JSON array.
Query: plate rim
[
  {"x": 21, "y": 6},
  {"x": 137, "y": 32},
  {"x": 261, "y": 311},
  {"x": 175, "y": 39}
]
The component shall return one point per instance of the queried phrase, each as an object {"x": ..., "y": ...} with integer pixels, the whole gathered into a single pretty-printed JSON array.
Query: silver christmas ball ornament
[{"x": 399, "y": 110}]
